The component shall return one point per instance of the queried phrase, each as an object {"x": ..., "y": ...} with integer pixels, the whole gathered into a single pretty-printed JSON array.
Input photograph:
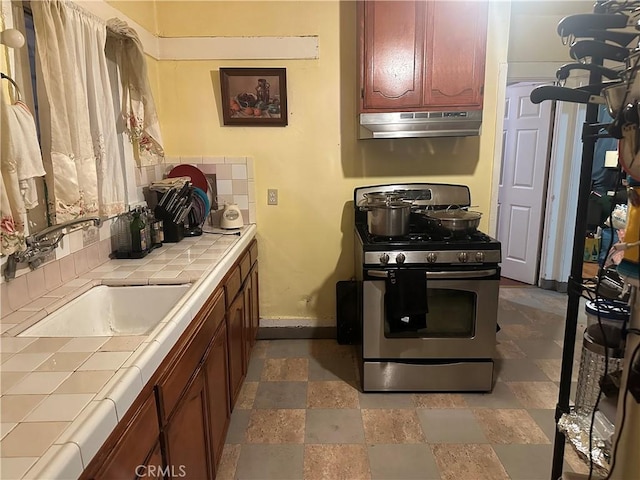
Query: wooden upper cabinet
[
  {"x": 421, "y": 55},
  {"x": 393, "y": 54},
  {"x": 456, "y": 47}
]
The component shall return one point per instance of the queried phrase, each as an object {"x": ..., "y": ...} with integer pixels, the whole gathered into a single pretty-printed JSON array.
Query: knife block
[{"x": 173, "y": 232}]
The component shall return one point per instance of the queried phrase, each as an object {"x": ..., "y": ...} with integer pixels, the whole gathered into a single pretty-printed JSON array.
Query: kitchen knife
[
  {"x": 564, "y": 94},
  {"x": 184, "y": 190},
  {"x": 563, "y": 72},
  {"x": 593, "y": 48},
  {"x": 598, "y": 21},
  {"x": 171, "y": 199},
  {"x": 184, "y": 213},
  {"x": 177, "y": 206},
  {"x": 164, "y": 198}
]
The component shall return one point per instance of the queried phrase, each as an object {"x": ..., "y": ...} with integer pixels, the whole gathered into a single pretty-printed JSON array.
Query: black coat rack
[
  {"x": 590, "y": 130},
  {"x": 590, "y": 133}
]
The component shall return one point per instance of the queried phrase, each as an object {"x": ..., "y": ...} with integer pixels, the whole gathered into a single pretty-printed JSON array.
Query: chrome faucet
[{"x": 41, "y": 244}]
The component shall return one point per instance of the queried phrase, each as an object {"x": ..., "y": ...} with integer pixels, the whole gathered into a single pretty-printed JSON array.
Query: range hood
[{"x": 420, "y": 124}]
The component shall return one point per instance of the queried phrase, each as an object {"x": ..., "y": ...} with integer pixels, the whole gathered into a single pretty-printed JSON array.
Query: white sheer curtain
[
  {"x": 84, "y": 172},
  {"x": 138, "y": 107}
]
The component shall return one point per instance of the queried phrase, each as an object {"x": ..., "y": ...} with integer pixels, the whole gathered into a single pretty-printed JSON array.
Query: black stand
[
  {"x": 589, "y": 137},
  {"x": 590, "y": 134},
  {"x": 574, "y": 287}
]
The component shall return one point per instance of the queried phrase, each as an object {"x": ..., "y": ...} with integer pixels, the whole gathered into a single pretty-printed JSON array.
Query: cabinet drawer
[
  {"x": 253, "y": 251},
  {"x": 232, "y": 284},
  {"x": 245, "y": 266},
  {"x": 215, "y": 309},
  {"x": 186, "y": 362}
]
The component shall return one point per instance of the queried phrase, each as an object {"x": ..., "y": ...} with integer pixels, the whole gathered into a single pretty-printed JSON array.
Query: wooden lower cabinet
[
  {"x": 130, "y": 452},
  {"x": 177, "y": 426},
  {"x": 235, "y": 327},
  {"x": 251, "y": 316},
  {"x": 255, "y": 311},
  {"x": 247, "y": 293},
  {"x": 187, "y": 434},
  {"x": 217, "y": 380},
  {"x": 154, "y": 466}
]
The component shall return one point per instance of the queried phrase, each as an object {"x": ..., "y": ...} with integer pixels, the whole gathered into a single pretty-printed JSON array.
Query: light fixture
[{"x": 12, "y": 38}]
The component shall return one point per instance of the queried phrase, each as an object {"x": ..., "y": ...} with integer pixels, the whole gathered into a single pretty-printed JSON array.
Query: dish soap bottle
[{"x": 138, "y": 234}]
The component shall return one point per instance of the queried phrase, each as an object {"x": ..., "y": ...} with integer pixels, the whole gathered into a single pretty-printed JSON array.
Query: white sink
[{"x": 110, "y": 311}]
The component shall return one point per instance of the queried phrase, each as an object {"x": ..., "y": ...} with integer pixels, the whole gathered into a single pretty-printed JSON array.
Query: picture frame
[{"x": 254, "y": 97}]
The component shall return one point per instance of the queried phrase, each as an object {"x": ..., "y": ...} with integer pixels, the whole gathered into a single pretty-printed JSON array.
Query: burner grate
[{"x": 420, "y": 237}]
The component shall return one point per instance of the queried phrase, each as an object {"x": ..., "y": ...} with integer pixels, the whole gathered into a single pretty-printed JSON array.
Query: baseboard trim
[
  {"x": 276, "y": 333},
  {"x": 554, "y": 285}
]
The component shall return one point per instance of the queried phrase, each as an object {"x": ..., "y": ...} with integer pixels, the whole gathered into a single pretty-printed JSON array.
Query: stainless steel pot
[
  {"x": 453, "y": 220},
  {"x": 388, "y": 219}
]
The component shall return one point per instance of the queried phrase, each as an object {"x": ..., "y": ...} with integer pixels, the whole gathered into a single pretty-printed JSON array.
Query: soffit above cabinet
[{"x": 302, "y": 47}]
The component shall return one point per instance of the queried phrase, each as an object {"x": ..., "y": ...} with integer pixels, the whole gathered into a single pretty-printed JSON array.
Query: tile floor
[{"x": 301, "y": 415}]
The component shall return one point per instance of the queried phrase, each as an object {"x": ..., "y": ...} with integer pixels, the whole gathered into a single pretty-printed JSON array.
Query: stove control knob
[
  {"x": 463, "y": 257},
  {"x": 480, "y": 257},
  {"x": 384, "y": 259},
  {"x": 432, "y": 257},
  {"x": 400, "y": 258}
]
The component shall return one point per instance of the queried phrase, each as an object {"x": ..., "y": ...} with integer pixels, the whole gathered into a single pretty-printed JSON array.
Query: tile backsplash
[
  {"x": 86, "y": 248},
  {"x": 234, "y": 180}
]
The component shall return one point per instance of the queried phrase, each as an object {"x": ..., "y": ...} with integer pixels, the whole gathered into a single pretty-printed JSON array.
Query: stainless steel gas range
[{"x": 428, "y": 300}]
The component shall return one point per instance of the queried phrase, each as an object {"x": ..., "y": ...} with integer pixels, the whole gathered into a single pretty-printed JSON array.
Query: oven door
[{"x": 460, "y": 323}]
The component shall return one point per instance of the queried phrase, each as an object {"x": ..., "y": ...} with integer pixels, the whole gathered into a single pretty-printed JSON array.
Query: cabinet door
[
  {"x": 255, "y": 309},
  {"x": 186, "y": 434},
  {"x": 248, "y": 343},
  {"x": 130, "y": 447},
  {"x": 455, "y": 53},
  {"x": 235, "y": 330},
  {"x": 153, "y": 467},
  {"x": 393, "y": 54},
  {"x": 217, "y": 372}
]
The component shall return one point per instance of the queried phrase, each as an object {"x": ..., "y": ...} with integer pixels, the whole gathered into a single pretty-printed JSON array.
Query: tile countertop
[{"x": 62, "y": 397}]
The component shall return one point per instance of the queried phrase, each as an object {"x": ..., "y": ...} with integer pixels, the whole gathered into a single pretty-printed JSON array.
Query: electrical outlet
[{"x": 272, "y": 196}]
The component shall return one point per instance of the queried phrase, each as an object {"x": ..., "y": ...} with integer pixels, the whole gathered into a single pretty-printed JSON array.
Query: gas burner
[
  {"x": 423, "y": 246},
  {"x": 420, "y": 236}
]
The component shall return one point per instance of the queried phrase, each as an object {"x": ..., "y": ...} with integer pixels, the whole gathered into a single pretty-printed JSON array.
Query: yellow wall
[
  {"x": 306, "y": 242},
  {"x": 533, "y": 35},
  {"x": 142, "y": 11}
]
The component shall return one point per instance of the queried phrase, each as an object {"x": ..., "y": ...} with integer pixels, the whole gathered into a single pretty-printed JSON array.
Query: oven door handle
[
  {"x": 463, "y": 274},
  {"x": 378, "y": 273},
  {"x": 457, "y": 274}
]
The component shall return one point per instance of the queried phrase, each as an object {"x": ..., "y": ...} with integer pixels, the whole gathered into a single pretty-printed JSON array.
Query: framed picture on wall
[{"x": 254, "y": 96}]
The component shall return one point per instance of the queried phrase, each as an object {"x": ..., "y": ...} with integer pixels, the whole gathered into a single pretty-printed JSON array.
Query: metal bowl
[{"x": 616, "y": 96}]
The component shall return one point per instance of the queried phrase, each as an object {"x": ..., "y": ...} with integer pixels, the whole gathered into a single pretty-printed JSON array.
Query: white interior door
[{"x": 522, "y": 184}]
